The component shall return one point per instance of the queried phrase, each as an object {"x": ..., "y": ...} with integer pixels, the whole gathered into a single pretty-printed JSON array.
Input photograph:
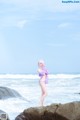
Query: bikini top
[{"x": 43, "y": 72}]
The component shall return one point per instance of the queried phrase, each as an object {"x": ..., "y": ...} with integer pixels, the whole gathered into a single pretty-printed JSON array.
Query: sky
[{"x": 39, "y": 29}]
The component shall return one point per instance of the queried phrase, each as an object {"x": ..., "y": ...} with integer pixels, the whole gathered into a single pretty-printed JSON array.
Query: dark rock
[
  {"x": 8, "y": 93},
  {"x": 3, "y": 115},
  {"x": 68, "y": 111},
  {"x": 77, "y": 93}
]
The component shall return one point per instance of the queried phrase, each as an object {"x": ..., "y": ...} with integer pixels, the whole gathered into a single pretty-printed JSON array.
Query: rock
[
  {"x": 3, "y": 115},
  {"x": 8, "y": 93},
  {"x": 68, "y": 111}
]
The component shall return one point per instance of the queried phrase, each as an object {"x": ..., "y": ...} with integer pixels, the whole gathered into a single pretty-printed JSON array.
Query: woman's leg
[{"x": 44, "y": 92}]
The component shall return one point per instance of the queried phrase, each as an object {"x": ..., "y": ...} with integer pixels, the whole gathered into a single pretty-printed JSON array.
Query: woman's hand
[{"x": 39, "y": 70}]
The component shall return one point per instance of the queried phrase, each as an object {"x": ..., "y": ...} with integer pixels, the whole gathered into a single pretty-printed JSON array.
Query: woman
[{"x": 43, "y": 73}]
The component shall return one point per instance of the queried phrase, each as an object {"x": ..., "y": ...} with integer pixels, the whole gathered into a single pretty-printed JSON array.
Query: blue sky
[{"x": 39, "y": 29}]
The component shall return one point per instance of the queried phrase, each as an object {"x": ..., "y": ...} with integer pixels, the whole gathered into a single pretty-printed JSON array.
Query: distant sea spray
[{"x": 35, "y": 76}]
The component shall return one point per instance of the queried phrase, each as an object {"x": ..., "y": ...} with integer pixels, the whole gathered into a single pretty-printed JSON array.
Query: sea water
[{"x": 61, "y": 89}]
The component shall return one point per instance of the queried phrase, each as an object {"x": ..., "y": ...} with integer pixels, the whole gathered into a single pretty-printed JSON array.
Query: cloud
[
  {"x": 13, "y": 21},
  {"x": 64, "y": 25},
  {"x": 17, "y": 12},
  {"x": 21, "y": 23}
]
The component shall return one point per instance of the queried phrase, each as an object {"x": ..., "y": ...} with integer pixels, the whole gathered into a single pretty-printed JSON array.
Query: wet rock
[
  {"x": 68, "y": 111},
  {"x": 8, "y": 93},
  {"x": 3, "y": 115}
]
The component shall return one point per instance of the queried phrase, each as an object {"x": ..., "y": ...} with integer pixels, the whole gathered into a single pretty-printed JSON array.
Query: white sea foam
[
  {"x": 19, "y": 76},
  {"x": 62, "y": 88},
  {"x": 51, "y": 76},
  {"x": 34, "y": 76}
]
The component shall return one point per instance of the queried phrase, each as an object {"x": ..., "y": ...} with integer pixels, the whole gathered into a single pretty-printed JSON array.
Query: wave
[
  {"x": 66, "y": 76},
  {"x": 35, "y": 76},
  {"x": 19, "y": 76}
]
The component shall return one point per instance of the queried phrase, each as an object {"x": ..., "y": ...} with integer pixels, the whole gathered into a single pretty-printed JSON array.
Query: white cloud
[
  {"x": 64, "y": 25},
  {"x": 21, "y": 23},
  {"x": 12, "y": 21},
  {"x": 34, "y": 10}
]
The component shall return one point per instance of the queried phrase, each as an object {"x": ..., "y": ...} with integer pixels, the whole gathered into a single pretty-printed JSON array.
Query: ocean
[{"x": 62, "y": 88}]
